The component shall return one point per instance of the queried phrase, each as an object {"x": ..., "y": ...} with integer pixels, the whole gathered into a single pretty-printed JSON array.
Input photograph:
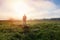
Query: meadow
[{"x": 38, "y": 30}]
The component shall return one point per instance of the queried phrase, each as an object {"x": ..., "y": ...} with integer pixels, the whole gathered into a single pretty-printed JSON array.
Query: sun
[{"x": 20, "y": 8}]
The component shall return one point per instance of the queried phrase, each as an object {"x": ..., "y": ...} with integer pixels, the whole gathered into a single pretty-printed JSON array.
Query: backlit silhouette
[{"x": 24, "y": 19}]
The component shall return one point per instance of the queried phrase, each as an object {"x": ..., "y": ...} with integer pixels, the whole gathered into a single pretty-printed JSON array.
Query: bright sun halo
[{"x": 20, "y": 9}]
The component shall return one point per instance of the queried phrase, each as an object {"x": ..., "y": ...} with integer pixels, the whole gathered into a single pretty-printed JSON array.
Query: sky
[{"x": 33, "y": 9}]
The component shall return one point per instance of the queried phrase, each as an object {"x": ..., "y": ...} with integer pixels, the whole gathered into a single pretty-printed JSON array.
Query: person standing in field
[
  {"x": 24, "y": 19},
  {"x": 25, "y": 26}
]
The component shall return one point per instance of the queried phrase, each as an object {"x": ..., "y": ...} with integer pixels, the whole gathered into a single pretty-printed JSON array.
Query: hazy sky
[{"x": 34, "y": 9}]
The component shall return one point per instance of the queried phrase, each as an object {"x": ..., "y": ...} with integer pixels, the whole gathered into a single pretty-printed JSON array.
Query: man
[
  {"x": 24, "y": 19},
  {"x": 25, "y": 27}
]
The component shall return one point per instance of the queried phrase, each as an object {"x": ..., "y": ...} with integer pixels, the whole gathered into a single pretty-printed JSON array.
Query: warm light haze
[{"x": 33, "y": 9}]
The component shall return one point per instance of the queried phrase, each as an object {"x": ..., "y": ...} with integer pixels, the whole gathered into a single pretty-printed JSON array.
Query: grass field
[{"x": 38, "y": 30}]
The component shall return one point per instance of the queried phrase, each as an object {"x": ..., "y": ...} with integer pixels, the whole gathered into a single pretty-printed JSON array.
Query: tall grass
[{"x": 37, "y": 31}]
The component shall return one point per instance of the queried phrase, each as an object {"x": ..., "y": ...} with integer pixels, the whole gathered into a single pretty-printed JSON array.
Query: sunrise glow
[
  {"x": 20, "y": 8},
  {"x": 33, "y": 9}
]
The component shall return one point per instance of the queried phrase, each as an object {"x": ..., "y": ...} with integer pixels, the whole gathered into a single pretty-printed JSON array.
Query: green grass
[{"x": 38, "y": 30}]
